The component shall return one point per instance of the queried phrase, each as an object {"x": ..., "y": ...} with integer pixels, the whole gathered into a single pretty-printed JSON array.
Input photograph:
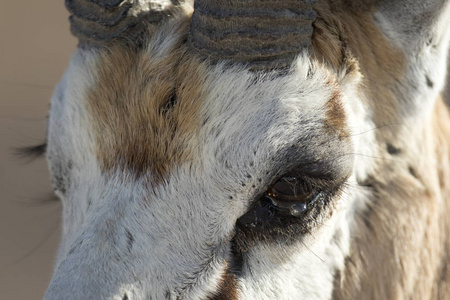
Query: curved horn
[
  {"x": 95, "y": 22},
  {"x": 267, "y": 34}
]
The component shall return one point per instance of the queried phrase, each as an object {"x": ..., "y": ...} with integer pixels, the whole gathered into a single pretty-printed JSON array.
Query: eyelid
[{"x": 292, "y": 194}]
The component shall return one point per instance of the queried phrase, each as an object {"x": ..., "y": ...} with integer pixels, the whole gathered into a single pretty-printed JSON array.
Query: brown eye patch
[{"x": 145, "y": 110}]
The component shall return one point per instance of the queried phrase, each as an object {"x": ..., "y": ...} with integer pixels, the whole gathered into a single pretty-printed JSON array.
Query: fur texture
[{"x": 156, "y": 154}]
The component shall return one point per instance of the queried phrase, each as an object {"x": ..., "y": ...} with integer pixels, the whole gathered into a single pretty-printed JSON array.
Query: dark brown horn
[
  {"x": 96, "y": 22},
  {"x": 266, "y": 34}
]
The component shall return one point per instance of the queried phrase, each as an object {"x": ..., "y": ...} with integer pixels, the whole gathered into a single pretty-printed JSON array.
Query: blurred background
[{"x": 35, "y": 48}]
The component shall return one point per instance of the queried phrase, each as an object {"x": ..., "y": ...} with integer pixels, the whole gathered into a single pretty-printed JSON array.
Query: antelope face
[{"x": 186, "y": 178}]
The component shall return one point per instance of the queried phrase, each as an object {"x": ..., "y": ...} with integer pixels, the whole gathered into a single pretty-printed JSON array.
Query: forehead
[{"x": 148, "y": 110}]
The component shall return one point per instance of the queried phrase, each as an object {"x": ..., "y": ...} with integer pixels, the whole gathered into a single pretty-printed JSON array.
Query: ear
[
  {"x": 416, "y": 23},
  {"x": 421, "y": 30}
]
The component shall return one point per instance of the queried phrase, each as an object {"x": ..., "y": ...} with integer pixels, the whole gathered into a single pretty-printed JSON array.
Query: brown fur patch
[
  {"x": 335, "y": 118},
  {"x": 145, "y": 107},
  {"x": 348, "y": 39},
  {"x": 228, "y": 289}
]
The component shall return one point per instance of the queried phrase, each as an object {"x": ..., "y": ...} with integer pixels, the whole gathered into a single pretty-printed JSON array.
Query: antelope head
[{"x": 251, "y": 150}]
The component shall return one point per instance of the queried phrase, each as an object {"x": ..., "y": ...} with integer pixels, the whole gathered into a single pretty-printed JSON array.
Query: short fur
[
  {"x": 407, "y": 213},
  {"x": 156, "y": 154},
  {"x": 400, "y": 248},
  {"x": 145, "y": 107}
]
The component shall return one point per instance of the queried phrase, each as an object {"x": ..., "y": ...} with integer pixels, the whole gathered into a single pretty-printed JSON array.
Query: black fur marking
[
  {"x": 172, "y": 101},
  {"x": 392, "y": 150},
  {"x": 130, "y": 240},
  {"x": 237, "y": 262},
  {"x": 58, "y": 182},
  {"x": 31, "y": 152},
  {"x": 412, "y": 171},
  {"x": 125, "y": 297},
  {"x": 167, "y": 295},
  {"x": 47, "y": 199},
  {"x": 430, "y": 83},
  {"x": 75, "y": 246}
]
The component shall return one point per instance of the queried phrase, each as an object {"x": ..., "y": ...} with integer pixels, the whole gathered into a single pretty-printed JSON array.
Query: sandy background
[{"x": 35, "y": 47}]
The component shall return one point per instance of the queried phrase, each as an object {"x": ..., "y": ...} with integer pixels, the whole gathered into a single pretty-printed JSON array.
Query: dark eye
[
  {"x": 289, "y": 197},
  {"x": 289, "y": 208},
  {"x": 292, "y": 195},
  {"x": 294, "y": 205}
]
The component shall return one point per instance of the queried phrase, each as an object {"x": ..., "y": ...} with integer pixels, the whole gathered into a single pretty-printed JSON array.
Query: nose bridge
[
  {"x": 97, "y": 265},
  {"x": 90, "y": 279},
  {"x": 96, "y": 281},
  {"x": 126, "y": 248},
  {"x": 98, "y": 261}
]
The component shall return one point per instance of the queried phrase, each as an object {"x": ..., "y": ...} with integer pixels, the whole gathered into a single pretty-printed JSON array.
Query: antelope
[{"x": 253, "y": 149}]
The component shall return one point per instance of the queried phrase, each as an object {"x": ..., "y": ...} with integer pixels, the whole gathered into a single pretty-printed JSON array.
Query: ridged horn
[
  {"x": 266, "y": 34},
  {"x": 96, "y": 22}
]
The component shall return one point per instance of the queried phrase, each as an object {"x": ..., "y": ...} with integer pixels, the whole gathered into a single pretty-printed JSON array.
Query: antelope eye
[
  {"x": 292, "y": 195},
  {"x": 289, "y": 198}
]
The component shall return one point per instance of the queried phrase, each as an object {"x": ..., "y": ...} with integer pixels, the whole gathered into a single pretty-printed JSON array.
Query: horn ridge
[
  {"x": 245, "y": 25},
  {"x": 246, "y": 8},
  {"x": 87, "y": 10},
  {"x": 249, "y": 48},
  {"x": 107, "y": 3},
  {"x": 266, "y": 33},
  {"x": 90, "y": 31},
  {"x": 96, "y": 22}
]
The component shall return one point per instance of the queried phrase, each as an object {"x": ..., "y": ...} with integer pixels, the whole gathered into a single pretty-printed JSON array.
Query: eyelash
[
  {"x": 266, "y": 222},
  {"x": 265, "y": 210}
]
